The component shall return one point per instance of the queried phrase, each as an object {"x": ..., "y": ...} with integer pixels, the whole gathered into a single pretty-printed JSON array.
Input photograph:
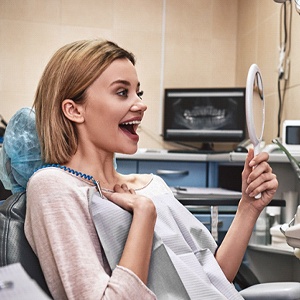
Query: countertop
[{"x": 163, "y": 154}]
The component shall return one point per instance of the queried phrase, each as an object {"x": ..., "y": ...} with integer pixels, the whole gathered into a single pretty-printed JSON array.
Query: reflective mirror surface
[
  {"x": 255, "y": 107},
  {"x": 258, "y": 106}
]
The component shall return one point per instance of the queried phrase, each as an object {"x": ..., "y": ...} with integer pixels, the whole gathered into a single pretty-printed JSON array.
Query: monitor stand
[{"x": 207, "y": 147}]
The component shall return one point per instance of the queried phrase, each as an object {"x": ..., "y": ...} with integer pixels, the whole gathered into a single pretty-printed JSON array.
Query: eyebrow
[{"x": 125, "y": 82}]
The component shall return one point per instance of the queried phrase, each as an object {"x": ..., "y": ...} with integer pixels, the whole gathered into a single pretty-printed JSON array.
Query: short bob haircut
[{"x": 71, "y": 70}]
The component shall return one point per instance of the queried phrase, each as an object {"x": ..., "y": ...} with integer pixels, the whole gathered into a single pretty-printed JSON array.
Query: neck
[{"x": 102, "y": 170}]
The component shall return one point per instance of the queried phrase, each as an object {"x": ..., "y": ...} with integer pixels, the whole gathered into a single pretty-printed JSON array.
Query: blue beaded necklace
[{"x": 76, "y": 173}]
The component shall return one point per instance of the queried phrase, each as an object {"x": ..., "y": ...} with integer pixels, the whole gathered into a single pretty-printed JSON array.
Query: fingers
[
  {"x": 255, "y": 166},
  {"x": 265, "y": 182},
  {"x": 257, "y": 175},
  {"x": 122, "y": 196},
  {"x": 258, "y": 170},
  {"x": 118, "y": 190},
  {"x": 247, "y": 169},
  {"x": 263, "y": 156},
  {"x": 123, "y": 188},
  {"x": 248, "y": 158},
  {"x": 261, "y": 179}
]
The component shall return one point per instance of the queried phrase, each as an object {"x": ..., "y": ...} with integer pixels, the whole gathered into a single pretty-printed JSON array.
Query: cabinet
[
  {"x": 175, "y": 173},
  {"x": 127, "y": 166},
  {"x": 193, "y": 173}
]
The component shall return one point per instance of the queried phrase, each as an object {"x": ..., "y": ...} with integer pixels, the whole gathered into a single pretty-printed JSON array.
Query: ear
[{"x": 73, "y": 111}]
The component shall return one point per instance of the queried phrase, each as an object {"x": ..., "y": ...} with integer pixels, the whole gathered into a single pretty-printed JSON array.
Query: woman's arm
[
  {"x": 137, "y": 251},
  {"x": 60, "y": 230},
  {"x": 257, "y": 177}
]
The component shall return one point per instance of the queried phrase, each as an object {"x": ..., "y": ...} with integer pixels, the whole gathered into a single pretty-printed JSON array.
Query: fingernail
[{"x": 251, "y": 194}]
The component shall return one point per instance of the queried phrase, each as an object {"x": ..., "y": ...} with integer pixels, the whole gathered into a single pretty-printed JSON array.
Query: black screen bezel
[{"x": 216, "y": 137}]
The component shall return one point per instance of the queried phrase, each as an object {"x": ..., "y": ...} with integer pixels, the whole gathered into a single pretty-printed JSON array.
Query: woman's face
[{"x": 114, "y": 109}]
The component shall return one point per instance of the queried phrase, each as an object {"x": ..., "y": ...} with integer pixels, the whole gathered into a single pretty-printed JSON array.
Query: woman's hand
[
  {"x": 130, "y": 201},
  {"x": 137, "y": 251},
  {"x": 257, "y": 177}
]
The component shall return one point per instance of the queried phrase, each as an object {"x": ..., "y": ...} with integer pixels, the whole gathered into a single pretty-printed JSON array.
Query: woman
[{"x": 88, "y": 106}]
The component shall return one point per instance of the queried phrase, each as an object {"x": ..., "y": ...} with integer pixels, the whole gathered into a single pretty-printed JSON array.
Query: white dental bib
[{"x": 182, "y": 263}]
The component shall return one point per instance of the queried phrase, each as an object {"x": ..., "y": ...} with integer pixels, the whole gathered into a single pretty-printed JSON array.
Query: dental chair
[
  {"x": 274, "y": 290},
  {"x": 15, "y": 248},
  {"x": 252, "y": 289}
]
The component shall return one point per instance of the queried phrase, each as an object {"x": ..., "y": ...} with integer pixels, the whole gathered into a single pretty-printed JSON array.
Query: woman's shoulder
[
  {"x": 55, "y": 186},
  {"x": 52, "y": 177},
  {"x": 48, "y": 174},
  {"x": 46, "y": 181}
]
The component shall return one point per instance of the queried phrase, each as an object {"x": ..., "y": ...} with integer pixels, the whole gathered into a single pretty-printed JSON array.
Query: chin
[{"x": 131, "y": 150}]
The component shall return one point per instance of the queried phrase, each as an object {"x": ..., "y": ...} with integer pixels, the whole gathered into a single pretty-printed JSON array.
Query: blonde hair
[{"x": 71, "y": 70}]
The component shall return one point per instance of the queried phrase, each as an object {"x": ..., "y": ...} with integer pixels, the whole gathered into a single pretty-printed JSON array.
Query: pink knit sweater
[{"x": 61, "y": 232}]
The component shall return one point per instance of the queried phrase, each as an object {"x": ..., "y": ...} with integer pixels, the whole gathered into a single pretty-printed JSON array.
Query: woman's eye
[
  {"x": 123, "y": 93},
  {"x": 140, "y": 94}
]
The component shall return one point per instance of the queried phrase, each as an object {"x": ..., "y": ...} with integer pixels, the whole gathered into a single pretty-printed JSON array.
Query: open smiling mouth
[{"x": 130, "y": 127}]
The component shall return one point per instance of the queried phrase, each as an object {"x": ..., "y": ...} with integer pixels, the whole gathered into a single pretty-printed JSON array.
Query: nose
[{"x": 138, "y": 105}]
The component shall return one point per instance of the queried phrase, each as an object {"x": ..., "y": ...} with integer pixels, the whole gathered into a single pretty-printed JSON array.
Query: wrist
[
  {"x": 248, "y": 210},
  {"x": 145, "y": 211}
]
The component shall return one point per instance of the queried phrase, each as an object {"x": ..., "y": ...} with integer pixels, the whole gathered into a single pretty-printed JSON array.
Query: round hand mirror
[{"x": 255, "y": 108}]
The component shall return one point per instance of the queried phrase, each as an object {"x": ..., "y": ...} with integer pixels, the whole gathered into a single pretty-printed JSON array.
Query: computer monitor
[
  {"x": 206, "y": 115},
  {"x": 291, "y": 135}
]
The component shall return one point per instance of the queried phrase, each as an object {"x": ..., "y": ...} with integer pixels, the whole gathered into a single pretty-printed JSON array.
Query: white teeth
[{"x": 131, "y": 123}]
